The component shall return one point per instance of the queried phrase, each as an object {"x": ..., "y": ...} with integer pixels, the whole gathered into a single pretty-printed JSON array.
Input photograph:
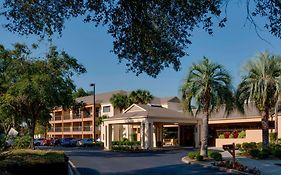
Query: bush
[
  {"x": 235, "y": 134},
  {"x": 242, "y": 134},
  {"x": 221, "y": 136},
  {"x": 231, "y": 136},
  {"x": 238, "y": 146},
  {"x": 247, "y": 146},
  {"x": 277, "y": 153},
  {"x": 263, "y": 154},
  {"x": 216, "y": 156},
  {"x": 226, "y": 135},
  {"x": 259, "y": 145},
  {"x": 199, "y": 157},
  {"x": 192, "y": 154},
  {"x": 134, "y": 137},
  {"x": 272, "y": 137},
  {"x": 22, "y": 142},
  {"x": 254, "y": 152}
]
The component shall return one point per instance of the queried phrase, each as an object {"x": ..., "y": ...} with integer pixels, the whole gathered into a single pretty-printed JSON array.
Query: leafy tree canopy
[
  {"x": 80, "y": 92},
  {"x": 32, "y": 87},
  {"x": 148, "y": 35}
]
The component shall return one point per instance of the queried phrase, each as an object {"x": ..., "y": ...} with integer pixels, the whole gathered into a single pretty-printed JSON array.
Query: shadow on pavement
[
  {"x": 110, "y": 154},
  {"x": 177, "y": 169}
]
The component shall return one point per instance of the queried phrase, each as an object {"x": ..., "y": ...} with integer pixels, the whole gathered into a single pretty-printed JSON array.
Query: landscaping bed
[{"x": 33, "y": 162}]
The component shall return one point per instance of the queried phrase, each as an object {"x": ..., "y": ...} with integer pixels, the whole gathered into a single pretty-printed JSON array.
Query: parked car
[
  {"x": 38, "y": 142},
  {"x": 55, "y": 142},
  {"x": 47, "y": 142},
  {"x": 66, "y": 141},
  {"x": 74, "y": 142},
  {"x": 86, "y": 142}
]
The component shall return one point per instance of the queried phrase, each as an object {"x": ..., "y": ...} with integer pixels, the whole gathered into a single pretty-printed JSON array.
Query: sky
[{"x": 231, "y": 46}]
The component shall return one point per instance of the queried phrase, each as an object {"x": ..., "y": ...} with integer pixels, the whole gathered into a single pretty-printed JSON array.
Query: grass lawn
[{"x": 31, "y": 162}]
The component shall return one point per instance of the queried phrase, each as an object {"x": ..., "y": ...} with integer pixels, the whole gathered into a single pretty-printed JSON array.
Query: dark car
[
  {"x": 74, "y": 141},
  {"x": 38, "y": 142},
  {"x": 66, "y": 141},
  {"x": 86, "y": 142},
  {"x": 55, "y": 142}
]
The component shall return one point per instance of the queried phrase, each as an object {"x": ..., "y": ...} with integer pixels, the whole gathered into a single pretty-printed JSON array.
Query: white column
[
  {"x": 108, "y": 135},
  {"x": 148, "y": 133},
  {"x": 154, "y": 135},
  {"x": 142, "y": 135}
]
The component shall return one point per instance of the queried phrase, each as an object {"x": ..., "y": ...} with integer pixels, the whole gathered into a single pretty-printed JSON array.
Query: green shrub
[
  {"x": 134, "y": 136},
  {"x": 238, "y": 146},
  {"x": 221, "y": 136},
  {"x": 277, "y": 153},
  {"x": 247, "y": 146},
  {"x": 254, "y": 152},
  {"x": 216, "y": 156},
  {"x": 192, "y": 154},
  {"x": 231, "y": 136},
  {"x": 199, "y": 157},
  {"x": 259, "y": 145},
  {"x": 22, "y": 142},
  {"x": 272, "y": 137},
  {"x": 242, "y": 134},
  {"x": 263, "y": 154}
]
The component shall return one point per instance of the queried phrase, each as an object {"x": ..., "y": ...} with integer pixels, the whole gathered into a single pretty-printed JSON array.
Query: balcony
[
  {"x": 77, "y": 128},
  {"x": 67, "y": 117},
  {"x": 87, "y": 128},
  {"x": 58, "y": 129},
  {"x": 58, "y": 117},
  {"x": 67, "y": 129},
  {"x": 76, "y": 116}
]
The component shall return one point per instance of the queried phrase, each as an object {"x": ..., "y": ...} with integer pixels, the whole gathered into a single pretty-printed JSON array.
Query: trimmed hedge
[
  {"x": 193, "y": 154},
  {"x": 216, "y": 156},
  {"x": 34, "y": 162}
]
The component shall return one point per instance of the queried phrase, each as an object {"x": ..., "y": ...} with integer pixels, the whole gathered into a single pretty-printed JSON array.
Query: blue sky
[{"x": 231, "y": 46}]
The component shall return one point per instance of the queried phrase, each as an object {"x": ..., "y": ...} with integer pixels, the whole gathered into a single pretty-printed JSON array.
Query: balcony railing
[
  {"x": 77, "y": 128},
  {"x": 67, "y": 117},
  {"x": 58, "y": 117},
  {"x": 76, "y": 116},
  {"x": 87, "y": 128},
  {"x": 58, "y": 129},
  {"x": 67, "y": 129}
]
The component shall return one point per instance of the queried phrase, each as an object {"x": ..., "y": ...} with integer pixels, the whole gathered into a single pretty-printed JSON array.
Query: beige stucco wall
[{"x": 251, "y": 136}]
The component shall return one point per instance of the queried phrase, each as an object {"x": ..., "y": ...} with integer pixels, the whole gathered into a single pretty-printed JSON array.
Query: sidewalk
[{"x": 267, "y": 167}]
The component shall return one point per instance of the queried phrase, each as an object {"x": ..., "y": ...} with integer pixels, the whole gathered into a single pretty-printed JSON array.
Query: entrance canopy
[{"x": 151, "y": 119}]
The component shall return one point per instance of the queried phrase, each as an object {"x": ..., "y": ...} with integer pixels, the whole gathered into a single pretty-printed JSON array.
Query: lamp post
[{"x": 94, "y": 108}]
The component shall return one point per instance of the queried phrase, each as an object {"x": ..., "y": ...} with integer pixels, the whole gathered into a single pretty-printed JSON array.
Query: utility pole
[{"x": 94, "y": 108}]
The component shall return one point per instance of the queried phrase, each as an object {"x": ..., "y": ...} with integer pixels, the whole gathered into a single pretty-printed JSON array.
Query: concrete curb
[
  {"x": 72, "y": 170},
  {"x": 193, "y": 162}
]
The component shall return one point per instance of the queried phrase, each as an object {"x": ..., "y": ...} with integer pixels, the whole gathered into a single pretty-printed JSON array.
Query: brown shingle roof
[{"x": 100, "y": 98}]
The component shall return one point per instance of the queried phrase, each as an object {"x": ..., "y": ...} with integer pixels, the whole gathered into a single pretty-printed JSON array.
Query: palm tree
[
  {"x": 208, "y": 85},
  {"x": 261, "y": 86},
  {"x": 140, "y": 97},
  {"x": 120, "y": 101}
]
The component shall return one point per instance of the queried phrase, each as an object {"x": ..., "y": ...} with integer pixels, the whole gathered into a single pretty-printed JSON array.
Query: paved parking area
[{"x": 99, "y": 162}]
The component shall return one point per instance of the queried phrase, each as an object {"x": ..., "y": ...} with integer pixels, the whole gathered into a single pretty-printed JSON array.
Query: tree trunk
[
  {"x": 265, "y": 128},
  {"x": 204, "y": 136},
  {"x": 276, "y": 121},
  {"x": 31, "y": 133}
]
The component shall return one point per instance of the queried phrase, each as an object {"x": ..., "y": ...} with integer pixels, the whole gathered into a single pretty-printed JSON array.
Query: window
[{"x": 106, "y": 109}]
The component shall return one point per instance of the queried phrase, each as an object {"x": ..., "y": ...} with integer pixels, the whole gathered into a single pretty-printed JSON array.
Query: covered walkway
[{"x": 151, "y": 120}]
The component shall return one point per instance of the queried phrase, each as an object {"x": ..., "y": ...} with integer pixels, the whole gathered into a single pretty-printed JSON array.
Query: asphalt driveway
[{"x": 99, "y": 162}]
